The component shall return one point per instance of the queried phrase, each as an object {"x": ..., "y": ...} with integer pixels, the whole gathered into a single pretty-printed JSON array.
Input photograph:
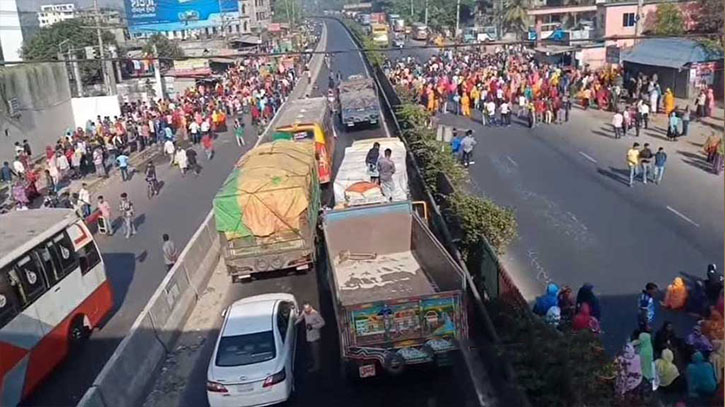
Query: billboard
[{"x": 176, "y": 14}]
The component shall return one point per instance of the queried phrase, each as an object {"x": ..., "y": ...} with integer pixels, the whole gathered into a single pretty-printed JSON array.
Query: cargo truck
[
  {"x": 358, "y": 102},
  {"x": 267, "y": 209},
  {"x": 396, "y": 293}
]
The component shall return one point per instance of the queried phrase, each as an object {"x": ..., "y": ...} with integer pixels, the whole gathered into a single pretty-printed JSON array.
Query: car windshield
[{"x": 247, "y": 349}]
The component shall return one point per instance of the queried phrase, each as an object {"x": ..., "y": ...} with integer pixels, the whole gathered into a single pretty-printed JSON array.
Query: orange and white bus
[
  {"x": 310, "y": 119},
  {"x": 53, "y": 292}
]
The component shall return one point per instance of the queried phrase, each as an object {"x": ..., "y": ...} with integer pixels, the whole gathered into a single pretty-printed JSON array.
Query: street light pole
[
  {"x": 411, "y": 10},
  {"x": 426, "y": 13},
  {"x": 458, "y": 17}
]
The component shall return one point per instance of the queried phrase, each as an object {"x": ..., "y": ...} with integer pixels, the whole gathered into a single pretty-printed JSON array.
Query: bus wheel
[{"x": 78, "y": 332}]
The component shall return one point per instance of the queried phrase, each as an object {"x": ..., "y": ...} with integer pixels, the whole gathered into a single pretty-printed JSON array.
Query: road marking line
[
  {"x": 680, "y": 214},
  {"x": 588, "y": 157},
  {"x": 511, "y": 160}
]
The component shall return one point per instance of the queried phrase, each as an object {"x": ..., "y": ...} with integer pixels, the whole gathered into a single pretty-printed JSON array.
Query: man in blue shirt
[
  {"x": 660, "y": 160},
  {"x": 122, "y": 161},
  {"x": 6, "y": 173},
  {"x": 647, "y": 307}
]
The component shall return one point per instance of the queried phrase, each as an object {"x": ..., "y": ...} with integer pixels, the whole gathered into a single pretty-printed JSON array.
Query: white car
[{"x": 253, "y": 360}]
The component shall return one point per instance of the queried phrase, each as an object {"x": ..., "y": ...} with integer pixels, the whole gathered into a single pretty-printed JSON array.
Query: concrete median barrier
[{"x": 132, "y": 367}]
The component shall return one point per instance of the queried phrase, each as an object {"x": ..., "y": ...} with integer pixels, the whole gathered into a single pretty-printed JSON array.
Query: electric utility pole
[
  {"x": 426, "y": 13},
  {"x": 97, "y": 16},
  {"x": 458, "y": 17}
]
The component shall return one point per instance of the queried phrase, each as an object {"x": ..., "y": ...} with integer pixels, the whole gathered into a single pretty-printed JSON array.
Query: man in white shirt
[
  {"x": 505, "y": 113},
  {"x": 194, "y": 129},
  {"x": 522, "y": 106},
  {"x": 644, "y": 112},
  {"x": 491, "y": 111},
  {"x": 617, "y": 121},
  {"x": 84, "y": 198},
  {"x": 170, "y": 150}
]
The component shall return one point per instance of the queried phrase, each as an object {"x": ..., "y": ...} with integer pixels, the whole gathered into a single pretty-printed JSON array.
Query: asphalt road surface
[
  {"x": 417, "y": 387},
  {"x": 580, "y": 222},
  {"x": 135, "y": 266}
]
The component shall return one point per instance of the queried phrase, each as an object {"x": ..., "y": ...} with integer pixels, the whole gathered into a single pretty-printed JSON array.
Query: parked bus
[
  {"x": 420, "y": 32},
  {"x": 53, "y": 292},
  {"x": 380, "y": 34},
  {"x": 310, "y": 119}
]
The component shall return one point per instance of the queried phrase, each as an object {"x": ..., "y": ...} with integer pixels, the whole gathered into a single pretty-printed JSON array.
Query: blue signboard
[{"x": 176, "y": 14}]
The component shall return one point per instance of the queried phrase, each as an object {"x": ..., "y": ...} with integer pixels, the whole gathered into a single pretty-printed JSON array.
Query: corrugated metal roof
[{"x": 670, "y": 52}]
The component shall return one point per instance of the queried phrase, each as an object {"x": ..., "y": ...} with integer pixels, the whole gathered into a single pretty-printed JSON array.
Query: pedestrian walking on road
[
  {"x": 644, "y": 111},
  {"x": 208, "y": 143},
  {"x": 645, "y": 158},
  {"x": 467, "y": 145},
  {"x": 84, "y": 198},
  {"x": 633, "y": 162},
  {"x": 171, "y": 254},
  {"x": 127, "y": 213},
  {"x": 104, "y": 220},
  {"x": 646, "y": 314},
  {"x": 122, "y": 161},
  {"x": 191, "y": 161},
  {"x": 685, "y": 120},
  {"x": 660, "y": 161},
  {"x": 170, "y": 150},
  {"x": 617, "y": 122},
  {"x": 672, "y": 126},
  {"x": 239, "y": 132},
  {"x": 313, "y": 323}
]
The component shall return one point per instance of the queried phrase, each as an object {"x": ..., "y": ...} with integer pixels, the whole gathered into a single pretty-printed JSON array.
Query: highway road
[
  {"x": 417, "y": 387},
  {"x": 580, "y": 222}
]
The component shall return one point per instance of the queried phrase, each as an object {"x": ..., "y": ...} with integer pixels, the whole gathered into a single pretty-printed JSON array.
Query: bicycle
[{"x": 152, "y": 188}]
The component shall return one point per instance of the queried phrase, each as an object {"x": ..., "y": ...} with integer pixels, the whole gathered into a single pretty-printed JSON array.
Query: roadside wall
[
  {"x": 41, "y": 94},
  {"x": 132, "y": 367},
  {"x": 88, "y": 108}
]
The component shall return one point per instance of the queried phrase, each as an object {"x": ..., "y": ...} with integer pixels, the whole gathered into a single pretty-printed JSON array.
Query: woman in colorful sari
[
  {"x": 669, "y": 102},
  {"x": 676, "y": 295},
  {"x": 629, "y": 372}
]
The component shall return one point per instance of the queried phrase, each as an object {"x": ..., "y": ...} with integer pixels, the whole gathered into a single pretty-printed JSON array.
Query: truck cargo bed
[{"x": 367, "y": 277}]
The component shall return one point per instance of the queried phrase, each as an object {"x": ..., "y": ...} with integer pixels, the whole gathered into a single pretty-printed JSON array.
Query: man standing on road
[
  {"x": 122, "y": 161},
  {"x": 105, "y": 217},
  {"x": 467, "y": 145},
  {"x": 633, "y": 162},
  {"x": 505, "y": 113},
  {"x": 127, "y": 212},
  {"x": 170, "y": 252},
  {"x": 617, "y": 121},
  {"x": 84, "y": 198},
  {"x": 170, "y": 150},
  {"x": 98, "y": 163},
  {"x": 660, "y": 160},
  {"x": 647, "y": 307},
  {"x": 644, "y": 111},
  {"x": 313, "y": 324},
  {"x": 386, "y": 169},
  {"x": 207, "y": 142},
  {"x": 645, "y": 157}
]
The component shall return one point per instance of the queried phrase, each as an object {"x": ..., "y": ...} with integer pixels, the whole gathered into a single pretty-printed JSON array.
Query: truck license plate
[
  {"x": 367, "y": 371},
  {"x": 373, "y": 121},
  {"x": 303, "y": 267}
]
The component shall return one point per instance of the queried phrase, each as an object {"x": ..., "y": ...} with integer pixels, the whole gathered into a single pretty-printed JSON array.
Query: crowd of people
[
  {"x": 255, "y": 85},
  {"x": 500, "y": 84},
  {"x": 661, "y": 364}
]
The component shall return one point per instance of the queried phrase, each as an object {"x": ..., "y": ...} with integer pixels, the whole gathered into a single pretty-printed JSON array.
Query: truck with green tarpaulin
[
  {"x": 266, "y": 211},
  {"x": 397, "y": 294}
]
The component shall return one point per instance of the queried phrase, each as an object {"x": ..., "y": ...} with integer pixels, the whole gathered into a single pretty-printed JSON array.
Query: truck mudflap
[
  {"x": 239, "y": 268},
  {"x": 393, "y": 361}
]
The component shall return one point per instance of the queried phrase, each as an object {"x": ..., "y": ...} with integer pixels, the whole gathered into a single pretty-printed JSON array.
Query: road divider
[
  {"x": 131, "y": 370},
  {"x": 133, "y": 366}
]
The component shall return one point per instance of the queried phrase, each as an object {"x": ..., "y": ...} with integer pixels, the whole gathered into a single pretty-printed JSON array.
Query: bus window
[
  {"x": 63, "y": 248},
  {"x": 89, "y": 257},
  {"x": 53, "y": 272},
  {"x": 26, "y": 279},
  {"x": 9, "y": 305}
]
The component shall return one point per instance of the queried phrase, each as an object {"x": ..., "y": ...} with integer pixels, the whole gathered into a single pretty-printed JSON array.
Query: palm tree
[{"x": 516, "y": 17}]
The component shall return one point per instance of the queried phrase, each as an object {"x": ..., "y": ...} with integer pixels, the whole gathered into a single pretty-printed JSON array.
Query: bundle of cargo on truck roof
[{"x": 267, "y": 191}]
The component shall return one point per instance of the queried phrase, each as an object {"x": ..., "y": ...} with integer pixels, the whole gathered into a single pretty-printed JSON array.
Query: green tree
[
  {"x": 516, "y": 17},
  {"x": 76, "y": 33},
  {"x": 669, "y": 20},
  {"x": 166, "y": 47}
]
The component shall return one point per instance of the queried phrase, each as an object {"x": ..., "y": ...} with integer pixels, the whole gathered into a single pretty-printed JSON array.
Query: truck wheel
[
  {"x": 349, "y": 370},
  {"x": 394, "y": 364}
]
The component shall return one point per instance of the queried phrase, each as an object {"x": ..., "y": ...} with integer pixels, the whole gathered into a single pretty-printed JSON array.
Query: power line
[{"x": 355, "y": 50}]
